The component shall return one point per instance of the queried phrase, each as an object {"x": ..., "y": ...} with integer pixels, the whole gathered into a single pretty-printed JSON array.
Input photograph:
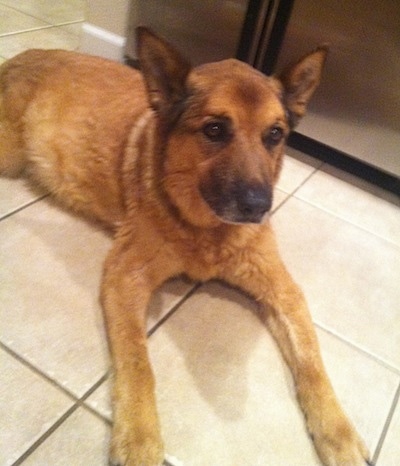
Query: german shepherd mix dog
[{"x": 181, "y": 164}]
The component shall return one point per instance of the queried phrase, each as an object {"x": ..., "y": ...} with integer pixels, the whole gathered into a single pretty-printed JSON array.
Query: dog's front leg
[
  {"x": 335, "y": 439},
  {"x": 285, "y": 312},
  {"x": 127, "y": 286}
]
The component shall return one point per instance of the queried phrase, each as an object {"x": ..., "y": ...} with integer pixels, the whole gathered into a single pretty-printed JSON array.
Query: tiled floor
[
  {"x": 224, "y": 394},
  {"x": 40, "y": 24}
]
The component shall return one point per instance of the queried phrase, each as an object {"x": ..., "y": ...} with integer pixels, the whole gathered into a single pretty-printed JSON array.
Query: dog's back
[{"x": 82, "y": 105}]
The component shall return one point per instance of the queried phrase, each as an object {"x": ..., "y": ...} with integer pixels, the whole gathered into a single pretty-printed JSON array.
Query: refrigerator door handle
[{"x": 259, "y": 20}]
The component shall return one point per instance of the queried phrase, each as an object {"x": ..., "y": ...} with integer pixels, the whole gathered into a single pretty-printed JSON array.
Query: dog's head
[{"x": 224, "y": 126}]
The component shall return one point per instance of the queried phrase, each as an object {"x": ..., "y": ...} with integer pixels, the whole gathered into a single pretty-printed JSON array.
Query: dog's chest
[{"x": 208, "y": 256}]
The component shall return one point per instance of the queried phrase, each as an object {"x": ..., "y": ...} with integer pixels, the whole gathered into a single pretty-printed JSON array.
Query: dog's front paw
[
  {"x": 130, "y": 448},
  {"x": 338, "y": 444}
]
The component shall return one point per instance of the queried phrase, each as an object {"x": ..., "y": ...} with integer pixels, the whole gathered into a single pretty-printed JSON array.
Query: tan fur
[{"x": 139, "y": 155}]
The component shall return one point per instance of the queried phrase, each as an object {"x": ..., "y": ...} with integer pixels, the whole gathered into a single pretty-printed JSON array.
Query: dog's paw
[
  {"x": 340, "y": 445},
  {"x": 128, "y": 449}
]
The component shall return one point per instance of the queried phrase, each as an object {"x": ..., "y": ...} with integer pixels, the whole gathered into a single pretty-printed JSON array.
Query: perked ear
[
  {"x": 164, "y": 70},
  {"x": 301, "y": 80}
]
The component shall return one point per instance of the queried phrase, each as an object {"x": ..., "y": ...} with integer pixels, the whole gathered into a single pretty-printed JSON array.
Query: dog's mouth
[{"x": 243, "y": 203}]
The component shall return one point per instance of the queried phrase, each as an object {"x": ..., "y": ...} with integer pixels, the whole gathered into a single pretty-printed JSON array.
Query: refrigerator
[{"x": 354, "y": 117}]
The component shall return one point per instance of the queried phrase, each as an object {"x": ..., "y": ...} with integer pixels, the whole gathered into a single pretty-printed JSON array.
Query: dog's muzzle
[
  {"x": 241, "y": 203},
  {"x": 252, "y": 202}
]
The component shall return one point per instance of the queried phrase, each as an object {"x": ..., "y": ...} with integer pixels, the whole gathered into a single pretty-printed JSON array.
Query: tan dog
[{"x": 181, "y": 163}]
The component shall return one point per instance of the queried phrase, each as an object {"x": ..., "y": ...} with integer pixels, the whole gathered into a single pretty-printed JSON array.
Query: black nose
[{"x": 253, "y": 201}]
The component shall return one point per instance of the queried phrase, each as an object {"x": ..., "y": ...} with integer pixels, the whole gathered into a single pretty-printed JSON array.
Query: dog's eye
[
  {"x": 216, "y": 131},
  {"x": 274, "y": 136}
]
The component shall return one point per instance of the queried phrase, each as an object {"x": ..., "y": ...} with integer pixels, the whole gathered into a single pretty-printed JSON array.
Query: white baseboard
[{"x": 103, "y": 43}]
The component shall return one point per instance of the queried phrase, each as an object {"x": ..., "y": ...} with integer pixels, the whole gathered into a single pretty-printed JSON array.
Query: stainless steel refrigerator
[{"x": 356, "y": 111}]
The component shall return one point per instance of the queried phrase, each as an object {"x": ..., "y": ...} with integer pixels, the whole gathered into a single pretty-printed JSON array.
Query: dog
[{"x": 180, "y": 163}]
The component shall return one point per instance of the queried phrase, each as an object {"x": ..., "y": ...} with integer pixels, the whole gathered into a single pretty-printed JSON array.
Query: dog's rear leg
[
  {"x": 126, "y": 289},
  {"x": 285, "y": 312}
]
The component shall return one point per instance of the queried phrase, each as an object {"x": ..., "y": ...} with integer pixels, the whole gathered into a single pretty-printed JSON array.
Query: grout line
[
  {"x": 82, "y": 401},
  {"x": 93, "y": 388},
  {"x": 173, "y": 309},
  {"x": 316, "y": 169},
  {"x": 294, "y": 191},
  {"x": 23, "y": 31},
  {"x": 67, "y": 23},
  {"x": 40, "y": 28},
  {"x": 337, "y": 215},
  {"x": 95, "y": 413},
  {"x": 386, "y": 427},
  {"x": 78, "y": 404},
  {"x": 281, "y": 204},
  {"x": 21, "y": 11},
  {"x": 359, "y": 349},
  {"x": 346, "y": 220},
  {"x": 38, "y": 372},
  {"x": 24, "y": 206},
  {"x": 79, "y": 401},
  {"x": 46, "y": 435},
  {"x": 32, "y": 15}
]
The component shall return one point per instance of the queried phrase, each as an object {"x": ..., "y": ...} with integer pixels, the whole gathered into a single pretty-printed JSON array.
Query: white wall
[{"x": 104, "y": 31}]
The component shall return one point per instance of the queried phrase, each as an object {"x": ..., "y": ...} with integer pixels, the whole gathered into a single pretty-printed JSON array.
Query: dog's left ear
[
  {"x": 300, "y": 81},
  {"x": 164, "y": 70}
]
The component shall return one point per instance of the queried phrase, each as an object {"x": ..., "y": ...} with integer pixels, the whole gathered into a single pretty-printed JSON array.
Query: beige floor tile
[
  {"x": 355, "y": 201},
  {"x": 12, "y": 21},
  {"x": 50, "y": 275},
  {"x": 50, "y": 11},
  {"x": 28, "y": 407},
  {"x": 15, "y": 194},
  {"x": 82, "y": 440},
  {"x": 390, "y": 453},
  {"x": 50, "y": 38},
  {"x": 216, "y": 366},
  {"x": 297, "y": 167},
  {"x": 351, "y": 277}
]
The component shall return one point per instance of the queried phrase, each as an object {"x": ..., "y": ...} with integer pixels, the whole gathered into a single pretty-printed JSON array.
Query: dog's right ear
[{"x": 165, "y": 72}]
